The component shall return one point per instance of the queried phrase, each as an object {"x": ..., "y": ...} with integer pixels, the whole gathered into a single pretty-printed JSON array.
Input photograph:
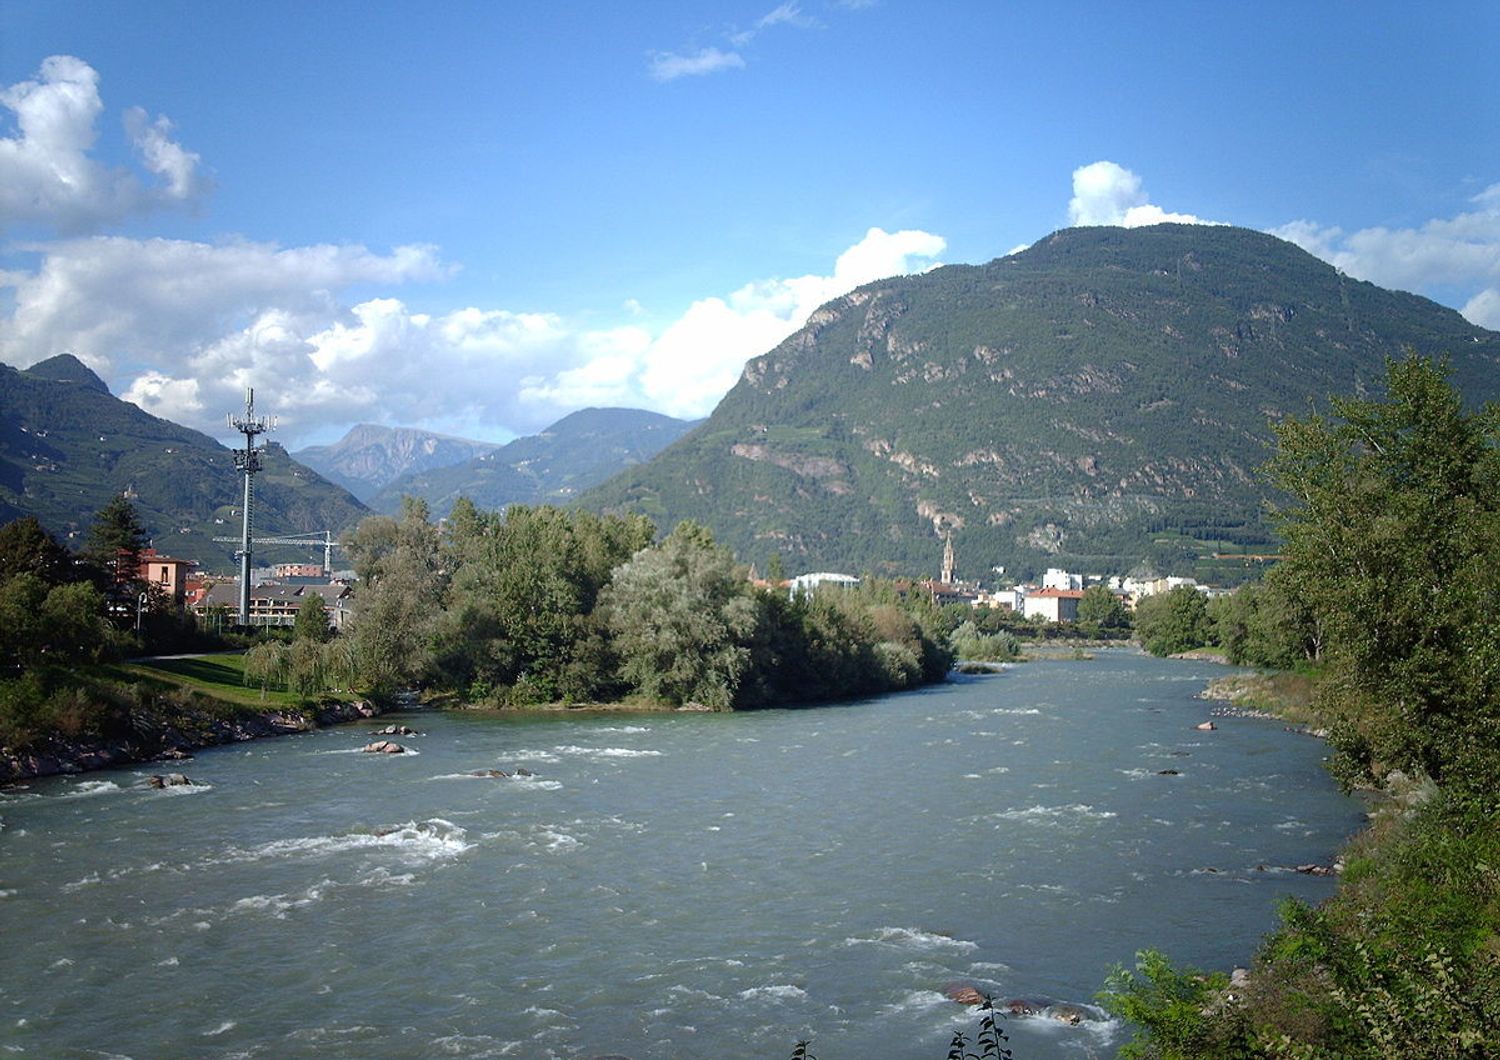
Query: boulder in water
[
  {"x": 1206, "y": 726},
  {"x": 963, "y": 993},
  {"x": 522, "y": 771},
  {"x": 383, "y": 747},
  {"x": 489, "y": 773},
  {"x": 1069, "y": 1014},
  {"x": 169, "y": 780}
]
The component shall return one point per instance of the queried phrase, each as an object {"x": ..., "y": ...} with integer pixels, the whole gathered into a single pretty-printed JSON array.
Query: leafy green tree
[
  {"x": 1393, "y": 534},
  {"x": 682, "y": 618},
  {"x": 519, "y": 624},
  {"x": 22, "y": 632},
  {"x": 1102, "y": 609},
  {"x": 26, "y": 546},
  {"x": 1173, "y": 621},
  {"x": 312, "y": 620},
  {"x": 1267, "y": 623},
  {"x": 74, "y": 625},
  {"x": 399, "y": 597},
  {"x": 267, "y": 664},
  {"x": 115, "y": 542}
]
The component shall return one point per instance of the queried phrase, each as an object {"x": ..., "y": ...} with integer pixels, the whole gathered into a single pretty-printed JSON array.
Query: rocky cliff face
[{"x": 370, "y": 457}]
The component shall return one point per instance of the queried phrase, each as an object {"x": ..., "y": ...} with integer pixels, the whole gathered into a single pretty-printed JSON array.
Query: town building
[
  {"x": 1056, "y": 578},
  {"x": 806, "y": 583},
  {"x": 167, "y": 575},
  {"x": 298, "y": 570},
  {"x": 1052, "y": 605},
  {"x": 277, "y": 605}
]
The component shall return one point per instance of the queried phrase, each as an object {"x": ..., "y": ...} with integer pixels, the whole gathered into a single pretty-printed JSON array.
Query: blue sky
[{"x": 478, "y": 217}]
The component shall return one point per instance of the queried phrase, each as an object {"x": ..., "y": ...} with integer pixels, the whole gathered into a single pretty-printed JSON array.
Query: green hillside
[
  {"x": 578, "y": 451},
  {"x": 67, "y": 446},
  {"x": 1099, "y": 398}
]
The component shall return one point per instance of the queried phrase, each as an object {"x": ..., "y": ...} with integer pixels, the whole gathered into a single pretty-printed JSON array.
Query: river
[{"x": 669, "y": 885}]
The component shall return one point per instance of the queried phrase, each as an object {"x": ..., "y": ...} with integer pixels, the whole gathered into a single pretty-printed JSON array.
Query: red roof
[{"x": 1061, "y": 594}]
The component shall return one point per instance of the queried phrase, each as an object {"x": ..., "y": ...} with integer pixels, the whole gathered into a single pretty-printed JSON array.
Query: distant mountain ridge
[
  {"x": 369, "y": 457},
  {"x": 1090, "y": 401},
  {"x": 578, "y": 451},
  {"x": 67, "y": 446}
]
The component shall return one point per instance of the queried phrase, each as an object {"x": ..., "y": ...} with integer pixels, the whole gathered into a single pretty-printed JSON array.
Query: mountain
[
  {"x": 1099, "y": 398},
  {"x": 578, "y": 451},
  {"x": 67, "y": 446},
  {"x": 369, "y": 457}
]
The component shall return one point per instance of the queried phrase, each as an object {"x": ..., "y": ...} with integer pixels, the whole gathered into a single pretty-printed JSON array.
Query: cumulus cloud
[
  {"x": 181, "y": 328},
  {"x": 47, "y": 173},
  {"x": 685, "y": 369},
  {"x": 1105, "y": 193},
  {"x": 1460, "y": 252},
  {"x": 669, "y": 66}
]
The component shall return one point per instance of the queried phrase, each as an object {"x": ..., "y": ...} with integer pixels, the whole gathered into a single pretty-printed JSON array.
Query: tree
[
  {"x": 1267, "y": 623},
  {"x": 519, "y": 623},
  {"x": 312, "y": 620},
  {"x": 1392, "y": 533},
  {"x": 26, "y": 546},
  {"x": 116, "y": 538},
  {"x": 267, "y": 664},
  {"x": 399, "y": 597},
  {"x": 1173, "y": 621},
  {"x": 681, "y": 619},
  {"x": 1102, "y": 609}
]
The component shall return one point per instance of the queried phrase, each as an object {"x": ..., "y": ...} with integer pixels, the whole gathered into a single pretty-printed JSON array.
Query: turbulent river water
[{"x": 706, "y": 885}]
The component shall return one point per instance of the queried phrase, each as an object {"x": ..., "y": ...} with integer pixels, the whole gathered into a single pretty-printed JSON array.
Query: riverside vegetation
[
  {"x": 1388, "y": 600},
  {"x": 530, "y": 607},
  {"x": 542, "y": 605}
]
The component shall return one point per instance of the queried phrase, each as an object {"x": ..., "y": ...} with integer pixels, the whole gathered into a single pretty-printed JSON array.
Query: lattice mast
[{"x": 247, "y": 462}]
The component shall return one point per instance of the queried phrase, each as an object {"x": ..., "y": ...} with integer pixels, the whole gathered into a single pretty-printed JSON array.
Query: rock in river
[{"x": 383, "y": 747}]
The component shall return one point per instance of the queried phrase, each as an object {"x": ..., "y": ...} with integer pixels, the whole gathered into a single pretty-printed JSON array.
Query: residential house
[
  {"x": 1052, "y": 605},
  {"x": 168, "y": 575},
  {"x": 277, "y": 605}
]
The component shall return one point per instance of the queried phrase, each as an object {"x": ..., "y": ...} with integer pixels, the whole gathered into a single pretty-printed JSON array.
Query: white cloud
[
  {"x": 47, "y": 174},
  {"x": 182, "y": 328},
  {"x": 1461, "y": 252},
  {"x": 1105, "y": 193},
  {"x": 697, "y": 358},
  {"x": 109, "y": 298},
  {"x": 162, "y": 155},
  {"x": 668, "y": 66}
]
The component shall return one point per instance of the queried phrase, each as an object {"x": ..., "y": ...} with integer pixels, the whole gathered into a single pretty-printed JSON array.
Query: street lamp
[{"x": 140, "y": 605}]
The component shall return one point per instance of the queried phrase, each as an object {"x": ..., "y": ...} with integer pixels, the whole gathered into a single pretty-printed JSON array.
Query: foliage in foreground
[{"x": 1392, "y": 544}]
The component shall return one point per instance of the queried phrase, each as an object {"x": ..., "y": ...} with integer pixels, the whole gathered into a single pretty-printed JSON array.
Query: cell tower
[{"x": 247, "y": 462}]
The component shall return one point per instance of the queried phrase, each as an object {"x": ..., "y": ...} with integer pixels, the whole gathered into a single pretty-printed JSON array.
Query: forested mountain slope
[
  {"x": 1087, "y": 401},
  {"x": 578, "y": 451},
  {"x": 67, "y": 446}
]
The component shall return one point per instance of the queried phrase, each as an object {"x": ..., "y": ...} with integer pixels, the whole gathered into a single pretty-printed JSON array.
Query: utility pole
[{"x": 247, "y": 462}]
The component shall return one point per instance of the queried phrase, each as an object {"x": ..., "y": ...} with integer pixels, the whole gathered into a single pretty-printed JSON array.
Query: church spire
[{"x": 948, "y": 563}]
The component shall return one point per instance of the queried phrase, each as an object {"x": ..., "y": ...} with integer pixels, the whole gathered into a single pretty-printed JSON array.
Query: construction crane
[{"x": 312, "y": 539}]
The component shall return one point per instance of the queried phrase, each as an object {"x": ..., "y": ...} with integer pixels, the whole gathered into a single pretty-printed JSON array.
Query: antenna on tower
[{"x": 247, "y": 462}]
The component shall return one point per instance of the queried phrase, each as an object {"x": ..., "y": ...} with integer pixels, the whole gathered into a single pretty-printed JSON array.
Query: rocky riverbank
[{"x": 148, "y": 736}]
